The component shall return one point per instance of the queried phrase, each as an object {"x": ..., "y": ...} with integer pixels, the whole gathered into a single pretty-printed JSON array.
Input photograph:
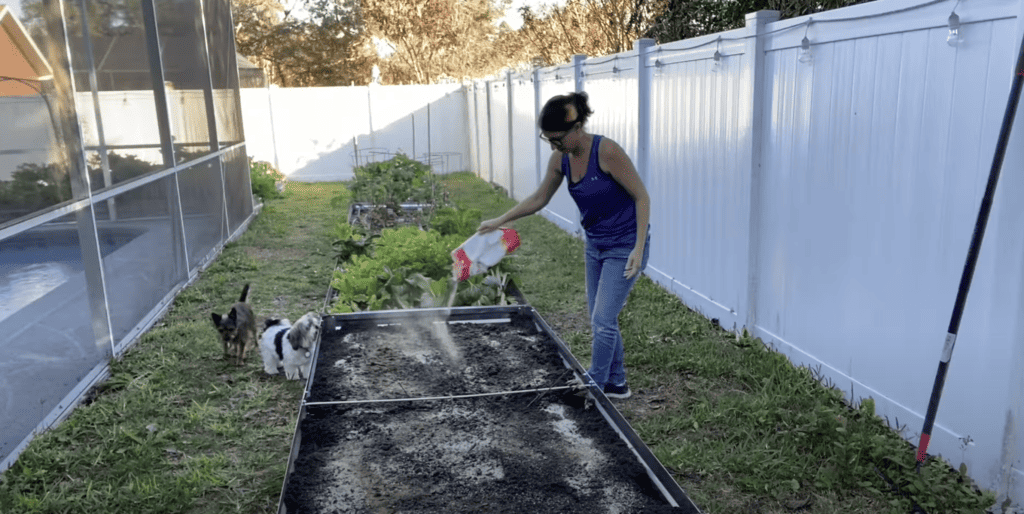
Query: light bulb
[
  {"x": 718, "y": 61},
  {"x": 805, "y": 50},
  {"x": 954, "y": 30}
]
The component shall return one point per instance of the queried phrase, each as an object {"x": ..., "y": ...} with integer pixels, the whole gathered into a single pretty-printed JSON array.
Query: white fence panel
[
  {"x": 611, "y": 86},
  {"x": 876, "y": 152},
  {"x": 129, "y": 122},
  {"x": 700, "y": 174},
  {"x": 561, "y": 210},
  {"x": 483, "y": 131},
  {"x": 312, "y": 134},
  {"x": 472, "y": 158},
  {"x": 502, "y": 174},
  {"x": 526, "y": 174},
  {"x": 441, "y": 128}
]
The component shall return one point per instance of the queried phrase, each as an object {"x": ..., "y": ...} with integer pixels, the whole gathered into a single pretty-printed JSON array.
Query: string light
[
  {"x": 927, "y": 3},
  {"x": 805, "y": 45},
  {"x": 954, "y": 38},
  {"x": 717, "y": 57}
]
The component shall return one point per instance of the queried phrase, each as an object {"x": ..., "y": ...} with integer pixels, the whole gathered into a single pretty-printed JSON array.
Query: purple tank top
[{"x": 608, "y": 211}]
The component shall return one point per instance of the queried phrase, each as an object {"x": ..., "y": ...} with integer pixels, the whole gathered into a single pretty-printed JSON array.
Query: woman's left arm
[{"x": 615, "y": 162}]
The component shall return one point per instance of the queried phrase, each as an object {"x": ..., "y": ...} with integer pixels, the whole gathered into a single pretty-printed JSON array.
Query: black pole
[{"x": 972, "y": 257}]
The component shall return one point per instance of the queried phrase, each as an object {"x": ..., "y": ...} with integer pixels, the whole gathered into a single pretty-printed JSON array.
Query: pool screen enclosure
[{"x": 123, "y": 172}]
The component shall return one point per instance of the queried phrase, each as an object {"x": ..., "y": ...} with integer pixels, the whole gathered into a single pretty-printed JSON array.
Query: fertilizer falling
[
  {"x": 429, "y": 336},
  {"x": 441, "y": 327},
  {"x": 453, "y": 286}
]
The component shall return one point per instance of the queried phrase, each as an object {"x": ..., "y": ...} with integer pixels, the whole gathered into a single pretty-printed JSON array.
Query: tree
[
  {"x": 328, "y": 48},
  {"x": 684, "y": 19},
  {"x": 590, "y": 27},
  {"x": 434, "y": 39}
]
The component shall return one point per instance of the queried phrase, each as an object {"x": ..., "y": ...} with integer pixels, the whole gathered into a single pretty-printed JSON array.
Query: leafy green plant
[
  {"x": 407, "y": 290},
  {"x": 425, "y": 252},
  {"x": 394, "y": 181},
  {"x": 351, "y": 241},
  {"x": 406, "y": 267},
  {"x": 487, "y": 289},
  {"x": 358, "y": 285},
  {"x": 264, "y": 179},
  {"x": 452, "y": 221}
]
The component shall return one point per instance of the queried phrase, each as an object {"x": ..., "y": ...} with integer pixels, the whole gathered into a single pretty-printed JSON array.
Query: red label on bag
[
  {"x": 510, "y": 238},
  {"x": 461, "y": 264}
]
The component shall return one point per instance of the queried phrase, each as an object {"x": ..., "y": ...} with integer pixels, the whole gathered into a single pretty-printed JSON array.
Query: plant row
[{"x": 397, "y": 258}]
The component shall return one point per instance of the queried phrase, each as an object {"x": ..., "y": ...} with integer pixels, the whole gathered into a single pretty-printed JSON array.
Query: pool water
[
  {"x": 34, "y": 263},
  {"x": 29, "y": 283}
]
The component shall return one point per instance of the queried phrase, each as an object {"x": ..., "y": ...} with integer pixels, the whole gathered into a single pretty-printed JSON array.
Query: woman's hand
[
  {"x": 489, "y": 226},
  {"x": 633, "y": 263}
]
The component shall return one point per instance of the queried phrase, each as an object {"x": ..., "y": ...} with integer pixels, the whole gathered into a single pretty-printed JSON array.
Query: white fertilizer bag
[{"x": 481, "y": 251}]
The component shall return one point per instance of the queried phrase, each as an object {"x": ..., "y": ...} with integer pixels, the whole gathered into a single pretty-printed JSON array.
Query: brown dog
[{"x": 237, "y": 329}]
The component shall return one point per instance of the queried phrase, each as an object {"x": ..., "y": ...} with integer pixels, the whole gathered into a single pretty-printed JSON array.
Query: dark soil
[
  {"x": 522, "y": 453},
  {"x": 434, "y": 358}
]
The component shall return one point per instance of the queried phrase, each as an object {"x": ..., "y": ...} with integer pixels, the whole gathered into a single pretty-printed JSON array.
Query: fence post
[
  {"x": 756, "y": 22},
  {"x": 577, "y": 79},
  {"x": 643, "y": 118},
  {"x": 273, "y": 133},
  {"x": 1009, "y": 487},
  {"x": 511, "y": 139},
  {"x": 476, "y": 130},
  {"x": 369, "y": 113},
  {"x": 577, "y": 71},
  {"x": 536, "y": 111},
  {"x": 490, "y": 138}
]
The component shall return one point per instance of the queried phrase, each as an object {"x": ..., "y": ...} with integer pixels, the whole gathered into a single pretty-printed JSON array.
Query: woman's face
[{"x": 559, "y": 140}]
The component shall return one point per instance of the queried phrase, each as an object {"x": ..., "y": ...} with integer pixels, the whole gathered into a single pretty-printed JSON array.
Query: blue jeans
[{"x": 607, "y": 291}]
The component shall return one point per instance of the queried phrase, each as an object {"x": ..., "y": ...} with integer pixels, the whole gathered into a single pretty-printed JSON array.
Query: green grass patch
[{"x": 177, "y": 429}]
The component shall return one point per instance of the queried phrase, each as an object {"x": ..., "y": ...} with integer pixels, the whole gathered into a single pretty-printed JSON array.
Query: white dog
[{"x": 295, "y": 354}]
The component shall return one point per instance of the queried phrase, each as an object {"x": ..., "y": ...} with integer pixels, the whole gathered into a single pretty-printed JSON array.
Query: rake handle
[{"x": 972, "y": 257}]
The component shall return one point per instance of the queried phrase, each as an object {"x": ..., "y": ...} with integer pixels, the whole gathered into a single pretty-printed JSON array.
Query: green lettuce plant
[
  {"x": 264, "y": 179},
  {"x": 390, "y": 183}
]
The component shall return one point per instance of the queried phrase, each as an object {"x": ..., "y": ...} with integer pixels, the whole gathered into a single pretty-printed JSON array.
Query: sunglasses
[
  {"x": 560, "y": 140},
  {"x": 557, "y": 141}
]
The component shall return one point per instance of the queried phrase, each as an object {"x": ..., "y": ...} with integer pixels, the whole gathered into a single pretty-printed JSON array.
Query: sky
[
  {"x": 14, "y": 5},
  {"x": 512, "y": 17}
]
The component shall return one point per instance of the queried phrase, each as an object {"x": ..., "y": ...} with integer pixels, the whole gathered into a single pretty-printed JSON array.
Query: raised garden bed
[
  {"x": 422, "y": 410},
  {"x": 378, "y": 217}
]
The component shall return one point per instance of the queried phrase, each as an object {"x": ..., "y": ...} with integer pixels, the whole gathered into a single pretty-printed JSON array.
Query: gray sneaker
[
  {"x": 620, "y": 392},
  {"x": 580, "y": 388}
]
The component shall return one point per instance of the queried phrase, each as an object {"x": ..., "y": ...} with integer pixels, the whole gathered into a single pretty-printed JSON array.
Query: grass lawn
[{"x": 177, "y": 429}]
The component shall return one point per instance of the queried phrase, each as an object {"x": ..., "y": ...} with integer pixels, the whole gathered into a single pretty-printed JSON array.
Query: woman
[{"x": 615, "y": 210}]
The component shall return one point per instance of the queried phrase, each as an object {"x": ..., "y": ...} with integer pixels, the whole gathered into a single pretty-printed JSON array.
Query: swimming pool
[{"x": 36, "y": 262}]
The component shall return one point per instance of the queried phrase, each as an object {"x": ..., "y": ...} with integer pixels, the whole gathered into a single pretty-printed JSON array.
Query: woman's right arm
[{"x": 534, "y": 202}]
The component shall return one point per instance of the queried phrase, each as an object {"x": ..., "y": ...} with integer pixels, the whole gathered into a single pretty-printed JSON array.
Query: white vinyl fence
[
  {"x": 822, "y": 198},
  {"x": 317, "y": 134}
]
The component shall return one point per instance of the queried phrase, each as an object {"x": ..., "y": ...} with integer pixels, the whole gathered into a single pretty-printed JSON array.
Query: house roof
[{"x": 20, "y": 58}]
